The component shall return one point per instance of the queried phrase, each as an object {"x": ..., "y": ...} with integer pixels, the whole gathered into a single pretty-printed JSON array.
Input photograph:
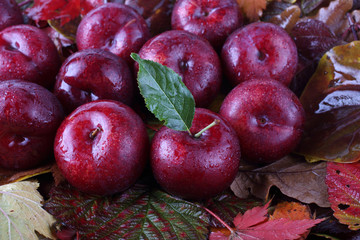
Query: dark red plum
[
  {"x": 102, "y": 147},
  {"x": 29, "y": 118},
  {"x": 10, "y": 14},
  {"x": 214, "y": 20},
  {"x": 268, "y": 118},
  {"x": 192, "y": 57},
  {"x": 93, "y": 74},
  {"x": 27, "y": 53},
  {"x": 113, "y": 27},
  {"x": 259, "y": 50},
  {"x": 196, "y": 168}
]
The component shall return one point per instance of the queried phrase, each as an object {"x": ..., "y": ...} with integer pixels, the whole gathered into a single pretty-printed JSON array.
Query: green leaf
[
  {"x": 166, "y": 96},
  {"x": 331, "y": 101},
  {"x": 138, "y": 213},
  {"x": 21, "y": 212}
]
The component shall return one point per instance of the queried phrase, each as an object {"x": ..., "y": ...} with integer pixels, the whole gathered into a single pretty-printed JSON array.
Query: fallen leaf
[
  {"x": 21, "y": 212},
  {"x": 255, "y": 224},
  {"x": 226, "y": 206},
  {"x": 294, "y": 177},
  {"x": 343, "y": 181},
  {"x": 288, "y": 18},
  {"x": 292, "y": 211},
  {"x": 9, "y": 176},
  {"x": 334, "y": 14},
  {"x": 331, "y": 100},
  {"x": 253, "y": 9},
  {"x": 138, "y": 213}
]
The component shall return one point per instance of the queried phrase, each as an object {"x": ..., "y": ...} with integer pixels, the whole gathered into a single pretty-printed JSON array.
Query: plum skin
[
  {"x": 259, "y": 50},
  {"x": 267, "y": 117},
  {"x": 30, "y": 116},
  {"x": 93, "y": 74},
  {"x": 113, "y": 159},
  {"x": 196, "y": 168}
]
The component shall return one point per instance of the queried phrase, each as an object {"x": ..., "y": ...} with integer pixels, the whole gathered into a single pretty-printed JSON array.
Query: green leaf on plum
[
  {"x": 138, "y": 213},
  {"x": 343, "y": 181},
  {"x": 331, "y": 101},
  {"x": 165, "y": 94}
]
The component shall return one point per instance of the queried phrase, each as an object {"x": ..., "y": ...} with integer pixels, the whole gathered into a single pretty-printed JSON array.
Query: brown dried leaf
[
  {"x": 10, "y": 176},
  {"x": 253, "y": 9},
  {"x": 288, "y": 18},
  {"x": 294, "y": 177},
  {"x": 334, "y": 15}
]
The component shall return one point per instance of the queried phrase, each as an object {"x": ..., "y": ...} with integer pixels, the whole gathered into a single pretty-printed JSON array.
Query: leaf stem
[
  {"x": 219, "y": 219},
  {"x": 215, "y": 122}
]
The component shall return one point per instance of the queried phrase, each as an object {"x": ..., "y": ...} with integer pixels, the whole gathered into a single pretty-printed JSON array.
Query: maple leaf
[
  {"x": 343, "y": 180},
  {"x": 255, "y": 224},
  {"x": 65, "y": 10},
  {"x": 253, "y": 9}
]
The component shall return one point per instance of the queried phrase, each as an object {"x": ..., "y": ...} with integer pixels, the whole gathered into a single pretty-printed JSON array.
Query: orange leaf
[
  {"x": 253, "y": 9},
  {"x": 292, "y": 211}
]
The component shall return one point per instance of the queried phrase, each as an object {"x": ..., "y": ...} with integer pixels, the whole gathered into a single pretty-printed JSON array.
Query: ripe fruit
[
  {"x": 113, "y": 27},
  {"x": 192, "y": 58},
  {"x": 267, "y": 117},
  {"x": 27, "y": 53},
  {"x": 93, "y": 74},
  {"x": 102, "y": 147},
  {"x": 10, "y": 14},
  {"x": 214, "y": 20},
  {"x": 196, "y": 167},
  {"x": 259, "y": 50},
  {"x": 29, "y": 118}
]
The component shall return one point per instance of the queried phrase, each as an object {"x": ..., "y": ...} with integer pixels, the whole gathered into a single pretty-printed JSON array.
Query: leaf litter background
[{"x": 329, "y": 189}]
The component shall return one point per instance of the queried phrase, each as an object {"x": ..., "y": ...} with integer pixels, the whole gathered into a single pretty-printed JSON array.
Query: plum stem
[
  {"x": 24, "y": 3},
  {"x": 219, "y": 219},
  {"x": 215, "y": 122},
  {"x": 94, "y": 133}
]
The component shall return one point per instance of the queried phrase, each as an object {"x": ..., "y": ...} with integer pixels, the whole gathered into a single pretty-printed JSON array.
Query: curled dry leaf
[
  {"x": 294, "y": 177},
  {"x": 9, "y": 176},
  {"x": 334, "y": 15},
  {"x": 288, "y": 18}
]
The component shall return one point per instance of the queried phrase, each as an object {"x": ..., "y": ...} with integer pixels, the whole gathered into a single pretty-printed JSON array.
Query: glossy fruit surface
[
  {"x": 102, "y": 147},
  {"x": 113, "y": 27},
  {"x": 93, "y": 74},
  {"x": 10, "y": 14},
  {"x": 29, "y": 118},
  {"x": 214, "y": 20},
  {"x": 259, "y": 50},
  {"x": 27, "y": 53},
  {"x": 192, "y": 58},
  {"x": 267, "y": 117},
  {"x": 196, "y": 168}
]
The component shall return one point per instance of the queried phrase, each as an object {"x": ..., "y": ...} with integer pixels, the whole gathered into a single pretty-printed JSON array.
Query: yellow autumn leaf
[
  {"x": 21, "y": 212},
  {"x": 252, "y": 8}
]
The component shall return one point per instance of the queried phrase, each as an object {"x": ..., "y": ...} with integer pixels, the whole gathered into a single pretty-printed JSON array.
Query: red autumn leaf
[
  {"x": 65, "y": 10},
  {"x": 255, "y": 224},
  {"x": 343, "y": 181}
]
